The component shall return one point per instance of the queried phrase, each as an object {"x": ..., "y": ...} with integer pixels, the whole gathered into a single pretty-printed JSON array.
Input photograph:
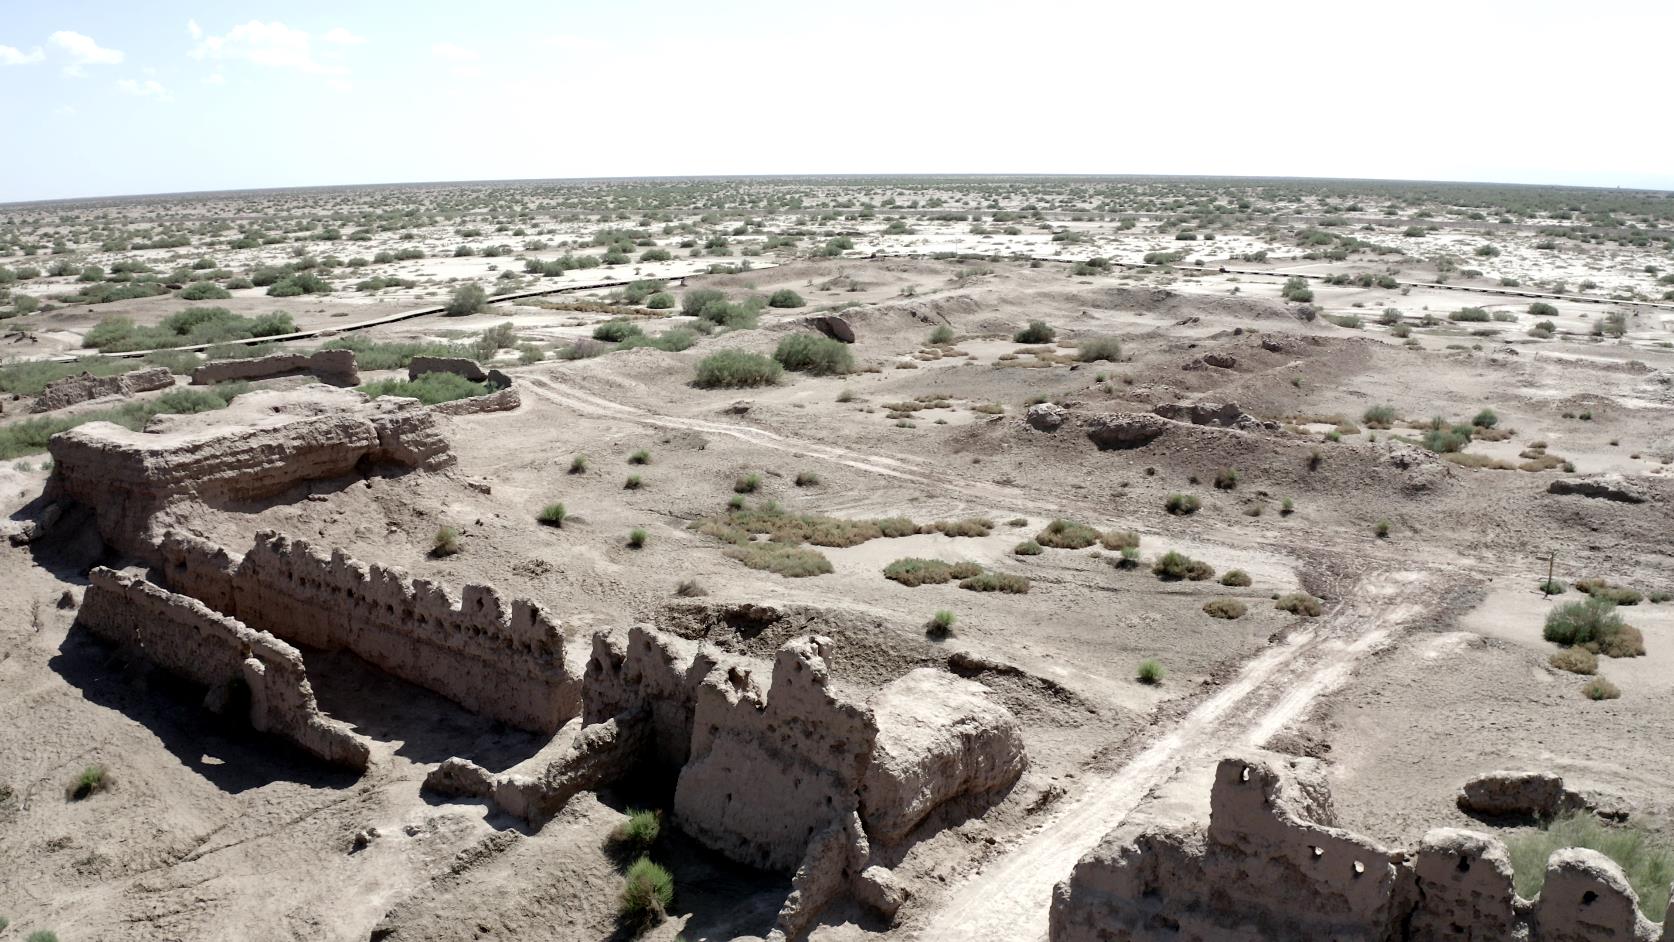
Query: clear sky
[{"x": 115, "y": 97}]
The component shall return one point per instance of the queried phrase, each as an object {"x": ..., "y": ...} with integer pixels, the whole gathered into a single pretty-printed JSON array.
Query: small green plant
[
  {"x": 647, "y": 892},
  {"x": 792, "y": 562},
  {"x": 1181, "y": 505},
  {"x": 1600, "y": 689},
  {"x": 1381, "y": 529},
  {"x": 636, "y": 538},
  {"x": 1224, "y": 608},
  {"x": 552, "y": 515},
  {"x": 1379, "y": 417},
  {"x": 940, "y": 624},
  {"x": 1036, "y": 332},
  {"x": 1485, "y": 419},
  {"x": 996, "y": 582},
  {"x": 641, "y": 456},
  {"x": 633, "y": 483},
  {"x": 1299, "y": 603},
  {"x": 578, "y": 464},
  {"x": 942, "y": 334},
  {"x": 690, "y": 589},
  {"x": 92, "y": 780},
  {"x": 1236, "y": 578},
  {"x": 807, "y": 479},
  {"x": 639, "y": 832},
  {"x": 42, "y": 935},
  {"x": 445, "y": 542},
  {"x": 1575, "y": 660},
  {"x": 1027, "y": 548},
  {"x": 1150, "y": 672},
  {"x": 467, "y": 299},
  {"x": 1066, "y": 534},
  {"x": 1174, "y": 565},
  {"x": 1226, "y": 479},
  {"x": 1287, "y": 507},
  {"x": 746, "y": 483},
  {"x": 913, "y": 571}
]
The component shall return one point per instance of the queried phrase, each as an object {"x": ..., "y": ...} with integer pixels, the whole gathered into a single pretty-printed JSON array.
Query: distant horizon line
[{"x": 807, "y": 176}]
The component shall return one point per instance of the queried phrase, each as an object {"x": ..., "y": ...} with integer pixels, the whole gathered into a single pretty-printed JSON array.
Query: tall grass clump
[
  {"x": 808, "y": 353},
  {"x": 1094, "y": 349},
  {"x": 430, "y": 388},
  {"x": 733, "y": 369},
  {"x": 1036, "y": 332},
  {"x": 647, "y": 892},
  {"x": 1592, "y": 623},
  {"x": 466, "y": 299},
  {"x": 1646, "y": 860}
]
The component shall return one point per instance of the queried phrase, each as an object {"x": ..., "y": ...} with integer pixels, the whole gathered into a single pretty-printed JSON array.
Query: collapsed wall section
[
  {"x": 1272, "y": 866},
  {"x": 187, "y": 638},
  {"x": 506, "y": 661},
  {"x": 70, "y": 390},
  {"x": 335, "y": 367}
]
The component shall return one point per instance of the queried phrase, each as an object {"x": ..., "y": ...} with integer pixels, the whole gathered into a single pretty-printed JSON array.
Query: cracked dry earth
[{"x": 209, "y": 831}]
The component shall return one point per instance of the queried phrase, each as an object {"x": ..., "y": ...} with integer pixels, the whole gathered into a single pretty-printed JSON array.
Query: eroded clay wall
[
  {"x": 70, "y": 390},
  {"x": 336, "y": 367},
  {"x": 504, "y": 660},
  {"x": 187, "y": 638},
  {"x": 1270, "y": 866}
]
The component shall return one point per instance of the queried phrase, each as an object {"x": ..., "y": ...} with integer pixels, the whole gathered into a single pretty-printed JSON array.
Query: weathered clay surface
[
  {"x": 73, "y": 389},
  {"x": 463, "y": 366},
  {"x": 939, "y": 737},
  {"x": 1126, "y": 429},
  {"x": 186, "y": 637},
  {"x": 1220, "y": 415},
  {"x": 1604, "y": 487},
  {"x": 769, "y": 771},
  {"x": 262, "y": 445},
  {"x": 1271, "y": 867},
  {"x": 502, "y": 660},
  {"x": 336, "y": 367},
  {"x": 1045, "y": 416},
  {"x": 501, "y": 400},
  {"x": 1539, "y": 795}
]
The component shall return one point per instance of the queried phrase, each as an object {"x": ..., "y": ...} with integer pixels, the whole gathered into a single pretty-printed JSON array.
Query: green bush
[
  {"x": 193, "y": 326},
  {"x": 300, "y": 283},
  {"x": 1543, "y": 309},
  {"x": 793, "y": 562},
  {"x": 1602, "y": 589},
  {"x": 1379, "y": 417},
  {"x": 732, "y": 369},
  {"x": 467, "y": 299},
  {"x": 92, "y": 780},
  {"x": 1229, "y": 609},
  {"x": 996, "y": 582},
  {"x": 785, "y": 297},
  {"x": 1575, "y": 660},
  {"x": 1150, "y": 672},
  {"x": 553, "y": 514},
  {"x": 42, "y": 935},
  {"x": 1470, "y": 315},
  {"x": 617, "y": 330},
  {"x": 1646, "y": 860},
  {"x": 445, "y": 542},
  {"x": 746, "y": 483},
  {"x": 1552, "y": 586},
  {"x": 1299, "y": 603},
  {"x": 204, "y": 291},
  {"x": 695, "y": 300},
  {"x": 1485, "y": 419},
  {"x": 940, "y": 624},
  {"x": 1600, "y": 689},
  {"x": 1036, "y": 332},
  {"x": 660, "y": 301},
  {"x": 913, "y": 571},
  {"x": 942, "y": 334},
  {"x": 1066, "y": 534},
  {"x": 647, "y": 892},
  {"x": 1592, "y": 623},
  {"x": 1174, "y": 565},
  {"x": 1236, "y": 578},
  {"x": 1119, "y": 539},
  {"x": 429, "y": 388},
  {"x": 1094, "y": 349},
  {"x": 639, "y": 832},
  {"x": 636, "y": 538},
  {"x": 1027, "y": 548},
  {"x": 808, "y": 353},
  {"x": 1181, "y": 505},
  {"x": 1296, "y": 289}
]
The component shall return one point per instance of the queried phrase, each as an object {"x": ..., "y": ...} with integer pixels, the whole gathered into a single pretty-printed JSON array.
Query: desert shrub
[
  {"x": 1224, "y": 608},
  {"x": 1379, "y": 417},
  {"x": 1575, "y": 660},
  {"x": 690, "y": 589},
  {"x": 746, "y": 483},
  {"x": 445, "y": 542},
  {"x": 1094, "y": 349},
  {"x": 92, "y": 780},
  {"x": 1299, "y": 603},
  {"x": 430, "y": 388},
  {"x": 1600, "y": 689},
  {"x": 1181, "y": 505},
  {"x": 808, "y": 353},
  {"x": 1237, "y": 578},
  {"x": 1027, "y": 548},
  {"x": 1603, "y": 589},
  {"x": 1119, "y": 539},
  {"x": 647, "y": 891},
  {"x": 299, "y": 283},
  {"x": 467, "y": 299},
  {"x": 1543, "y": 309},
  {"x": 660, "y": 301},
  {"x": 1587, "y": 621},
  {"x": 190, "y": 327},
  {"x": 29, "y": 436},
  {"x": 392, "y": 355},
  {"x": 617, "y": 330},
  {"x": 789, "y": 561},
  {"x": 1036, "y": 332},
  {"x": 694, "y": 301},
  {"x": 807, "y": 479},
  {"x": 578, "y": 464},
  {"x": 1381, "y": 529},
  {"x": 1226, "y": 479},
  {"x": 1296, "y": 289},
  {"x": 1443, "y": 440},
  {"x": 942, "y": 334},
  {"x": 553, "y": 514},
  {"x": 633, "y": 483},
  {"x": 1149, "y": 672},
  {"x": 636, "y": 538},
  {"x": 42, "y": 935},
  {"x": 1066, "y": 534},
  {"x": 940, "y": 624},
  {"x": 204, "y": 291},
  {"x": 732, "y": 369},
  {"x": 1485, "y": 419},
  {"x": 1470, "y": 315},
  {"x": 1552, "y": 586},
  {"x": 785, "y": 297},
  {"x": 964, "y": 526},
  {"x": 1646, "y": 860},
  {"x": 1174, "y": 565},
  {"x": 641, "y": 456},
  {"x": 996, "y": 582},
  {"x": 638, "y": 832},
  {"x": 913, "y": 571}
]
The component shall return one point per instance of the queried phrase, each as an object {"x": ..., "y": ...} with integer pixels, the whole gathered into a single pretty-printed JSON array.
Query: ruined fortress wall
[
  {"x": 187, "y": 638},
  {"x": 70, "y": 390},
  {"x": 501, "y": 400},
  {"x": 768, "y": 773},
  {"x": 1269, "y": 866},
  {"x": 652, "y": 676},
  {"x": 502, "y": 660},
  {"x": 336, "y": 367}
]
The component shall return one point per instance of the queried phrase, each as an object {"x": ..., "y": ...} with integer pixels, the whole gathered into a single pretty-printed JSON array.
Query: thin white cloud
[
  {"x": 342, "y": 37},
  {"x": 215, "y": 78},
  {"x": 82, "y": 50},
  {"x": 11, "y": 56},
  {"x": 270, "y": 44},
  {"x": 193, "y": 29},
  {"x": 150, "y": 88},
  {"x": 454, "y": 53}
]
